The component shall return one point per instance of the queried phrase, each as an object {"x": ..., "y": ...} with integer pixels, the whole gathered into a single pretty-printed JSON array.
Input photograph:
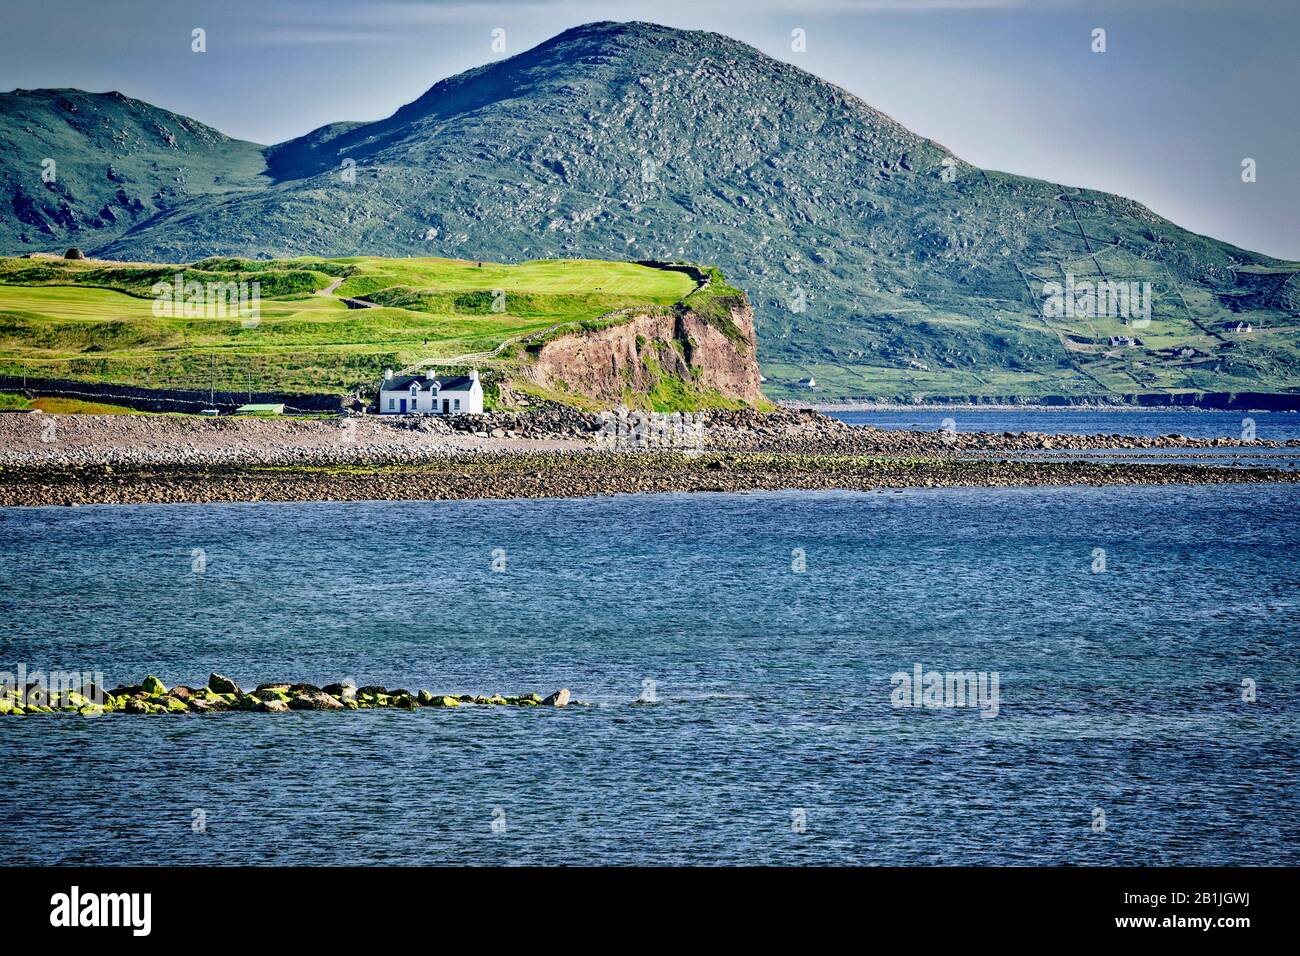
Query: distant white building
[
  {"x": 427, "y": 395},
  {"x": 808, "y": 382}
]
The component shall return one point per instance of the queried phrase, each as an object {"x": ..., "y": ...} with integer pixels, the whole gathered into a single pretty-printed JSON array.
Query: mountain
[
  {"x": 877, "y": 262},
  {"x": 84, "y": 168}
]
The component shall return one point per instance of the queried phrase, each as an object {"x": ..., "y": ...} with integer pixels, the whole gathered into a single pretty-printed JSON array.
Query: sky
[{"x": 1184, "y": 92}]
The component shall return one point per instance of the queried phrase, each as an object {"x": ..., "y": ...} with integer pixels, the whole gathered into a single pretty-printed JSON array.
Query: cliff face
[{"x": 679, "y": 359}]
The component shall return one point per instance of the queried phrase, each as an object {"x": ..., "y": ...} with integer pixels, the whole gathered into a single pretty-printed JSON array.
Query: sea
[
  {"x": 1068, "y": 675},
  {"x": 1189, "y": 422}
]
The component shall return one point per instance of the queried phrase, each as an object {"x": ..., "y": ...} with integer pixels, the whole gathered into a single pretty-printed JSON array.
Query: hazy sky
[{"x": 1185, "y": 91}]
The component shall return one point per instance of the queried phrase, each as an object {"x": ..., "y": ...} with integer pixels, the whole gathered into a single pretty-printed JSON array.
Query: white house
[{"x": 426, "y": 395}]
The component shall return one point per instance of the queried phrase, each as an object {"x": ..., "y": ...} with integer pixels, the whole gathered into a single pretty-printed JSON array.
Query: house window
[
  {"x": 456, "y": 406},
  {"x": 392, "y": 403}
]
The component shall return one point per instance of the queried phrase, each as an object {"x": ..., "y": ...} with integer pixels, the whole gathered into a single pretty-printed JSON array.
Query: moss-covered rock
[
  {"x": 314, "y": 700},
  {"x": 220, "y": 684},
  {"x": 152, "y": 697}
]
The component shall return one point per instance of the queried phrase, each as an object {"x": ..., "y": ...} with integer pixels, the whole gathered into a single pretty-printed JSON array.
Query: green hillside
[
  {"x": 96, "y": 321},
  {"x": 876, "y": 261},
  {"x": 117, "y": 162}
]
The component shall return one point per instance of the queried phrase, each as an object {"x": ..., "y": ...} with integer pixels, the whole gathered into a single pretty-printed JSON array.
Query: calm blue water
[
  {"x": 1118, "y": 690},
  {"x": 1274, "y": 426}
]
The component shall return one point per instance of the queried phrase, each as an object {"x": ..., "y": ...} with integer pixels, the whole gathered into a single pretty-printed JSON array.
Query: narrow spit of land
[{"x": 82, "y": 460}]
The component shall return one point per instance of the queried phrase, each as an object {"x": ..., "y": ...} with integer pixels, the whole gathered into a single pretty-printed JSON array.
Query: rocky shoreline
[
  {"x": 567, "y": 475},
  {"x": 807, "y": 431},
  {"x": 89, "y": 459},
  {"x": 151, "y": 696},
  {"x": 70, "y": 441}
]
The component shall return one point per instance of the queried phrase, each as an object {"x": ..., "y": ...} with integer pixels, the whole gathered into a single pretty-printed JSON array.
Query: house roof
[{"x": 454, "y": 383}]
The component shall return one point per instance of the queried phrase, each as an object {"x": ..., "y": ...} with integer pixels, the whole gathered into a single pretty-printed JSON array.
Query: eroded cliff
[{"x": 691, "y": 357}]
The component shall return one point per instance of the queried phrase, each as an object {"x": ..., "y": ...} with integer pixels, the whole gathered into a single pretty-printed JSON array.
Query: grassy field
[
  {"x": 10, "y": 402},
  {"x": 95, "y": 321}
]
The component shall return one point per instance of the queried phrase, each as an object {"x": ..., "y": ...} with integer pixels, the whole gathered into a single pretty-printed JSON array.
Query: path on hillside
[
  {"x": 471, "y": 357},
  {"x": 351, "y": 303}
]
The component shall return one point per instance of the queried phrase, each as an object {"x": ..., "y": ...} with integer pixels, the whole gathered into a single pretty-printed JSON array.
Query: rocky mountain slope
[
  {"x": 878, "y": 263},
  {"x": 83, "y": 168}
]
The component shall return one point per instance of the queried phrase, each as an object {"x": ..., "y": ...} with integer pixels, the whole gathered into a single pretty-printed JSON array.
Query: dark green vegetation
[
  {"x": 866, "y": 267},
  {"x": 118, "y": 163}
]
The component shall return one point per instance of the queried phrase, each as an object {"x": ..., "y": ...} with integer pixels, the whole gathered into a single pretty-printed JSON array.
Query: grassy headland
[{"x": 324, "y": 325}]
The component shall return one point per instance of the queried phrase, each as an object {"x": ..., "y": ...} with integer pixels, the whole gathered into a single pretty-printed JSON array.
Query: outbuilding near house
[{"x": 430, "y": 395}]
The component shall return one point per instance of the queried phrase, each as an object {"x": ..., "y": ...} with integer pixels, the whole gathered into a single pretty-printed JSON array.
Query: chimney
[
  {"x": 473, "y": 375},
  {"x": 429, "y": 375},
  {"x": 388, "y": 374}
]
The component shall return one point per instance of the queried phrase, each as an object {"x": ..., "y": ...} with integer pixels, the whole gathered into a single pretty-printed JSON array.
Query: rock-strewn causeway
[
  {"x": 81, "y": 460},
  {"x": 583, "y": 475},
  {"x": 152, "y": 696}
]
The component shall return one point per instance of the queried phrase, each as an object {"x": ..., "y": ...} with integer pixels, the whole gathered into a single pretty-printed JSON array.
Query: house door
[
  {"x": 403, "y": 401},
  {"x": 446, "y": 406}
]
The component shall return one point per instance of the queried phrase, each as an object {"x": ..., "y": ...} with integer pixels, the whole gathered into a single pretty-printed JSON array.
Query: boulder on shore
[{"x": 559, "y": 699}]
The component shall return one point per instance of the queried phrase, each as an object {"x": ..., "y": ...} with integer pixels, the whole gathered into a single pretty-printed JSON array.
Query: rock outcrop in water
[{"x": 151, "y": 696}]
